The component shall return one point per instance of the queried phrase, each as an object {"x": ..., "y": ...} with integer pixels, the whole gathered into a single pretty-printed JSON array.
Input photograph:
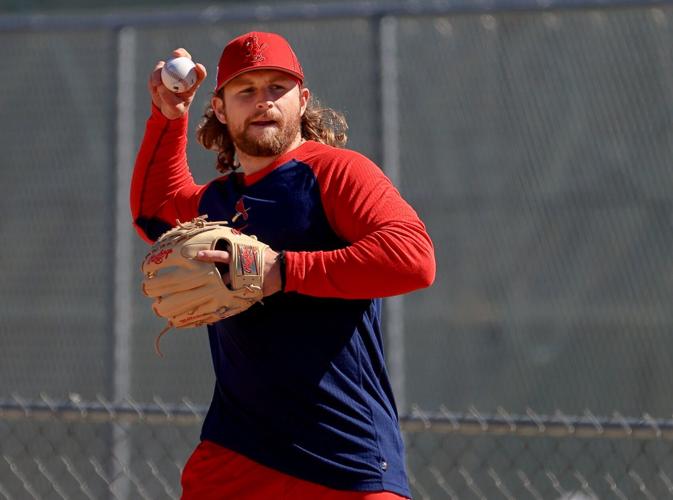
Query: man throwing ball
[{"x": 302, "y": 406}]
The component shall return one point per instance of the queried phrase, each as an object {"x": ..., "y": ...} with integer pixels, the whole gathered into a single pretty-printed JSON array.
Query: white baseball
[{"x": 179, "y": 74}]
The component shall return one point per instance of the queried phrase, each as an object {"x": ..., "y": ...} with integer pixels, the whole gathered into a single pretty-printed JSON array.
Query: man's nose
[
  {"x": 265, "y": 104},
  {"x": 265, "y": 99}
]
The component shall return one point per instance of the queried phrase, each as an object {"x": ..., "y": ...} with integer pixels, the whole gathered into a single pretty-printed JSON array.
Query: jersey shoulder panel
[{"x": 340, "y": 170}]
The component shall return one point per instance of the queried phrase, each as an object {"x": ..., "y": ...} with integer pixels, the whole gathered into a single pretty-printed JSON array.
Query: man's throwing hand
[{"x": 173, "y": 105}]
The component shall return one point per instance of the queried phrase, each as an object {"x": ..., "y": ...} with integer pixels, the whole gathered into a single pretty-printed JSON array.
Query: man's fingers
[
  {"x": 155, "y": 76},
  {"x": 181, "y": 52},
  {"x": 213, "y": 256},
  {"x": 201, "y": 73},
  {"x": 170, "y": 98}
]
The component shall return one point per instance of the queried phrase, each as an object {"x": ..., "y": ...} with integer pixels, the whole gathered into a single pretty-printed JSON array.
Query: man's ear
[
  {"x": 304, "y": 96},
  {"x": 217, "y": 104}
]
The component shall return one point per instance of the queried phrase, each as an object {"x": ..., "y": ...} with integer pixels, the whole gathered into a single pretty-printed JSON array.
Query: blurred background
[{"x": 533, "y": 138}]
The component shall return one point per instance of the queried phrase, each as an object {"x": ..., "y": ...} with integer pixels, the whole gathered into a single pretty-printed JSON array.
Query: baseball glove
[{"x": 190, "y": 292}]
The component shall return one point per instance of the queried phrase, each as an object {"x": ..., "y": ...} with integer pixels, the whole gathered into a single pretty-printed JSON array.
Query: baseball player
[{"x": 302, "y": 406}]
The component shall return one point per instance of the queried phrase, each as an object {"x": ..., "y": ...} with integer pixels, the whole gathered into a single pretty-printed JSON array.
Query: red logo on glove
[
  {"x": 159, "y": 257},
  {"x": 248, "y": 260}
]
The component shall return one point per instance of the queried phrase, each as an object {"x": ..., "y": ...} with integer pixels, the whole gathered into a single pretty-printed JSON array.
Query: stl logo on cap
[{"x": 253, "y": 49}]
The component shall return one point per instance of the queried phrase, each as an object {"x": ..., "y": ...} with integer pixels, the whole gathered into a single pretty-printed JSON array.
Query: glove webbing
[{"x": 193, "y": 227}]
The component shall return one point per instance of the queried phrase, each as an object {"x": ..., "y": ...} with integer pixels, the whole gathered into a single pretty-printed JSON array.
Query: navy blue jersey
[{"x": 301, "y": 381}]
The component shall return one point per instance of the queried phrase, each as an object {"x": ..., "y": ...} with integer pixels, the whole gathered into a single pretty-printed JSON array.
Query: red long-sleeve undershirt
[
  {"x": 390, "y": 252},
  {"x": 162, "y": 185}
]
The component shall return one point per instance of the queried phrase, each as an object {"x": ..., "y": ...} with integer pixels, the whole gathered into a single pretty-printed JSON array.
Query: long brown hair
[{"x": 318, "y": 123}]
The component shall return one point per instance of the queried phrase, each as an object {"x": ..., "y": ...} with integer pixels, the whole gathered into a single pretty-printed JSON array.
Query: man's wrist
[{"x": 281, "y": 262}]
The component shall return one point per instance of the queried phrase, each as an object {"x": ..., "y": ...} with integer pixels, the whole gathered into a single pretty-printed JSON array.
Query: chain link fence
[{"x": 62, "y": 449}]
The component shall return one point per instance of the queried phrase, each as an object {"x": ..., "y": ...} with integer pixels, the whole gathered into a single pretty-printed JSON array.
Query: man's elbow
[
  {"x": 427, "y": 278},
  {"x": 421, "y": 267},
  {"x": 425, "y": 274}
]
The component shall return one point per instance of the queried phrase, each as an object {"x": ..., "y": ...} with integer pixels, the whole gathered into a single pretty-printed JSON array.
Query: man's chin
[
  {"x": 264, "y": 141},
  {"x": 264, "y": 136}
]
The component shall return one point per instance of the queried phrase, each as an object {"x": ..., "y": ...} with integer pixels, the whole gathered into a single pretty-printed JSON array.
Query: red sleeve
[
  {"x": 390, "y": 252},
  {"x": 162, "y": 187}
]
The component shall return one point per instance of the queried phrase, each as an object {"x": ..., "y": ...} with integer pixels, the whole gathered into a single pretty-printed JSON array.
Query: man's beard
[{"x": 273, "y": 141}]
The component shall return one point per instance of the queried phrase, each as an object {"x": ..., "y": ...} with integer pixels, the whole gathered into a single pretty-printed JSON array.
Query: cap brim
[{"x": 298, "y": 76}]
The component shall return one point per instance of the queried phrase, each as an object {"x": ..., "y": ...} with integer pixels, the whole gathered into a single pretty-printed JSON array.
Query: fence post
[
  {"x": 390, "y": 137},
  {"x": 123, "y": 256}
]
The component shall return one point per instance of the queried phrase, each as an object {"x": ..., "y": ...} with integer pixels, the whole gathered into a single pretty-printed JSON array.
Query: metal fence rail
[
  {"x": 60, "y": 449},
  {"x": 291, "y": 12},
  {"x": 443, "y": 421}
]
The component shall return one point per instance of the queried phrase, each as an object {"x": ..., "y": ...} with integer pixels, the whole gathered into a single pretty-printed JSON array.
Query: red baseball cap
[{"x": 257, "y": 50}]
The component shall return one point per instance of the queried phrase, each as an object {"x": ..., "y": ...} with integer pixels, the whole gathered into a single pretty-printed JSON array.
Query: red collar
[{"x": 281, "y": 160}]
